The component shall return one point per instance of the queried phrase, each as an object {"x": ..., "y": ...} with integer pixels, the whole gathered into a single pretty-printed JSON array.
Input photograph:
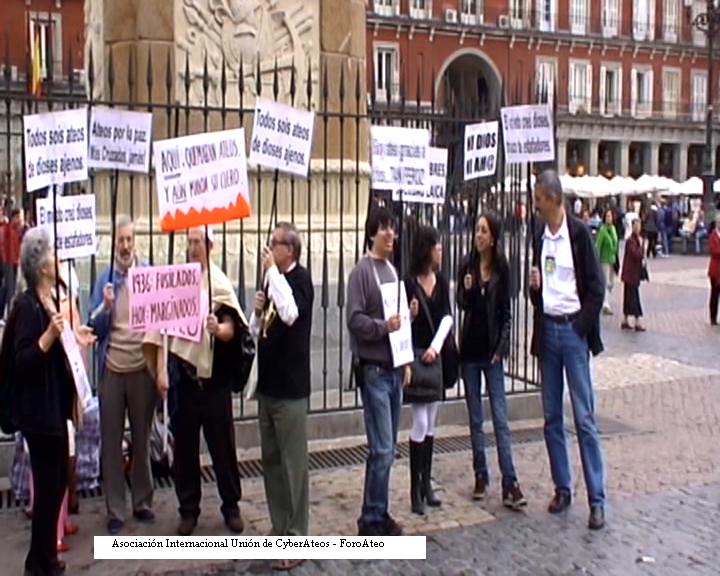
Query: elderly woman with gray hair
[{"x": 45, "y": 395}]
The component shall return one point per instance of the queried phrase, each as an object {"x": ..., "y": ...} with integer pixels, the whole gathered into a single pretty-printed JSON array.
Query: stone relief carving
[
  {"x": 286, "y": 30},
  {"x": 94, "y": 41}
]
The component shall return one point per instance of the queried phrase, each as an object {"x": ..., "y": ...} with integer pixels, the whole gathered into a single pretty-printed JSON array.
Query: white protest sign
[
  {"x": 438, "y": 176},
  {"x": 56, "y": 148},
  {"x": 282, "y": 137},
  {"x": 77, "y": 366},
  {"x": 202, "y": 179},
  {"x": 528, "y": 133},
  {"x": 77, "y": 237},
  {"x": 400, "y": 340},
  {"x": 481, "y": 143},
  {"x": 400, "y": 161},
  {"x": 120, "y": 140}
]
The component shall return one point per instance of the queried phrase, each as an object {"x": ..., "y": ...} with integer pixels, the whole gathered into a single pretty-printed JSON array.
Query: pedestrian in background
[
  {"x": 632, "y": 272},
  {"x": 429, "y": 295},
  {"x": 650, "y": 226},
  {"x": 607, "y": 248},
  {"x": 714, "y": 270},
  {"x": 567, "y": 292},
  {"x": 484, "y": 296}
]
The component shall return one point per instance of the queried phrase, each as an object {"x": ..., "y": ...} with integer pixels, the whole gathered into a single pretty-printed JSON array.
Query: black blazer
[
  {"x": 43, "y": 381},
  {"x": 498, "y": 305},
  {"x": 590, "y": 285}
]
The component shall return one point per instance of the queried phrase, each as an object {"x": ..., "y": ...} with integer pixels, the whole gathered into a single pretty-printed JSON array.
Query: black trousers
[
  {"x": 49, "y": 463},
  {"x": 652, "y": 238},
  {"x": 714, "y": 295},
  {"x": 207, "y": 406}
]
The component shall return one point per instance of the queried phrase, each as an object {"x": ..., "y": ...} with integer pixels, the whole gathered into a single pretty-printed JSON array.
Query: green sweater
[{"x": 607, "y": 243}]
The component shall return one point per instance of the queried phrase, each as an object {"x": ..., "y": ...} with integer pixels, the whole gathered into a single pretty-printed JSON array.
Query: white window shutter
[
  {"x": 651, "y": 20},
  {"x": 633, "y": 92},
  {"x": 588, "y": 89},
  {"x": 650, "y": 79},
  {"x": 395, "y": 88},
  {"x": 619, "y": 106},
  {"x": 603, "y": 88},
  {"x": 572, "y": 96}
]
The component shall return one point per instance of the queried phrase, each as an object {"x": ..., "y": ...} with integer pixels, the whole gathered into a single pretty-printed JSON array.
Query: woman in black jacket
[
  {"x": 45, "y": 396},
  {"x": 484, "y": 296},
  {"x": 429, "y": 296}
]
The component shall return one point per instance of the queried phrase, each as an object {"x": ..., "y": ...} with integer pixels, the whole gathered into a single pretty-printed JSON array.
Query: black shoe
[
  {"x": 427, "y": 490},
  {"x": 513, "y": 497},
  {"x": 392, "y": 528},
  {"x": 186, "y": 526},
  {"x": 374, "y": 529},
  {"x": 145, "y": 515},
  {"x": 480, "y": 490},
  {"x": 416, "y": 469},
  {"x": 114, "y": 526},
  {"x": 235, "y": 523},
  {"x": 560, "y": 502},
  {"x": 597, "y": 517}
]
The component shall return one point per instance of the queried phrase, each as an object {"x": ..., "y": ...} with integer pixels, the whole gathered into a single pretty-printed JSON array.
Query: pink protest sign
[{"x": 166, "y": 298}]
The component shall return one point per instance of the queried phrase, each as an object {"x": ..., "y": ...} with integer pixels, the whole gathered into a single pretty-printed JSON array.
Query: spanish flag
[{"x": 36, "y": 69}]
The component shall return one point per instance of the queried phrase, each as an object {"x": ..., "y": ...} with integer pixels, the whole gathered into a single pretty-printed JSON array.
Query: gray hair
[
  {"x": 34, "y": 251},
  {"x": 292, "y": 237},
  {"x": 549, "y": 182},
  {"x": 123, "y": 221}
]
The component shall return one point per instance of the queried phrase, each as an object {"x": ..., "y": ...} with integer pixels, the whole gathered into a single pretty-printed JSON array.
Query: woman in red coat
[
  {"x": 631, "y": 275},
  {"x": 714, "y": 270}
]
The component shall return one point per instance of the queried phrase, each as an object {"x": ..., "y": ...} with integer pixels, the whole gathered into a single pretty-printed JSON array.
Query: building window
[
  {"x": 545, "y": 74},
  {"x": 611, "y": 90},
  {"x": 643, "y": 20},
  {"x": 387, "y": 73},
  {"x": 387, "y": 7},
  {"x": 45, "y": 41},
  {"x": 671, "y": 93},
  {"x": 580, "y": 87},
  {"x": 420, "y": 9},
  {"x": 641, "y": 99},
  {"x": 519, "y": 14},
  {"x": 699, "y": 96},
  {"x": 698, "y": 36},
  {"x": 470, "y": 12},
  {"x": 547, "y": 15},
  {"x": 579, "y": 16},
  {"x": 671, "y": 20},
  {"x": 610, "y": 18}
]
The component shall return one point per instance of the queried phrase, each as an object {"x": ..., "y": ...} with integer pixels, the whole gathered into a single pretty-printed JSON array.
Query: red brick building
[
  {"x": 630, "y": 75},
  {"x": 56, "y": 25}
]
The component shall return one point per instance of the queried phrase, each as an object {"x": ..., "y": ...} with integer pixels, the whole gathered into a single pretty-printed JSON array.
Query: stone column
[
  {"x": 624, "y": 158},
  {"x": 654, "y": 158},
  {"x": 593, "y": 163},
  {"x": 562, "y": 156},
  {"x": 682, "y": 155}
]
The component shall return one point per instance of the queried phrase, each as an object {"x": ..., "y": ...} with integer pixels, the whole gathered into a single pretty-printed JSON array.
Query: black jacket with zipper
[
  {"x": 590, "y": 285},
  {"x": 497, "y": 299}
]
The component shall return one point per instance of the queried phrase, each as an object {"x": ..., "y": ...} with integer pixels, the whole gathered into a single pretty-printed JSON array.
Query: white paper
[
  {"x": 77, "y": 366},
  {"x": 438, "y": 176},
  {"x": 204, "y": 176},
  {"x": 120, "y": 140},
  {"x": 56, "y": 148},
  {"x": 401, "y": 161},
  {"x": 282, "y": 137},
  {"x": 528, "y": 133},
  {"x": 481, "y": 144},
  {"x": 76, "y": 225},
  {"x": 400, "y": 340}
]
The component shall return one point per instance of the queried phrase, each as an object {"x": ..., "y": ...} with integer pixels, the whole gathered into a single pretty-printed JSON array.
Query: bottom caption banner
[{"x": 259, "y": 547}]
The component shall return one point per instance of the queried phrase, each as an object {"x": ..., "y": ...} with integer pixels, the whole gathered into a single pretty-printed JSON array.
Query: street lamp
[{"x": 709, "y": 23}]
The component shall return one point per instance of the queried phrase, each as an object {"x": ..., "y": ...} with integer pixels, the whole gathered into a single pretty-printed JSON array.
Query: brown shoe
[
  {"x": 186, "y": 526},
  {"x": 235, "y": 523},
  {"x": 480, "y": 490}
]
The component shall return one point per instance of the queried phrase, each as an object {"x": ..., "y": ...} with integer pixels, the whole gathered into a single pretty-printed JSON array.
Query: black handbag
[
  {"x": 644, "y": 275},
  {"x": 447, "y": 362}
]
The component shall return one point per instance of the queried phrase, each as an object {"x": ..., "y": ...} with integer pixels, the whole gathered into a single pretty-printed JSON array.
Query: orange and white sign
[{"x": 202, "y": 179}]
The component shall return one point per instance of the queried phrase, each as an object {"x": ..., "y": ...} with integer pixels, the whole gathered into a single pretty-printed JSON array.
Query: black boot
[
  {"x": 427, "y": 489},
  {"x": 416, "y": 468}
]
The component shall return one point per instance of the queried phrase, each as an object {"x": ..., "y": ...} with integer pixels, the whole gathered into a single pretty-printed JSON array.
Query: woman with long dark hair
[
  {"x": 484, "y": 296},
  {"x": 429, "y": 296},
  {"x": 632, "y": 271}
]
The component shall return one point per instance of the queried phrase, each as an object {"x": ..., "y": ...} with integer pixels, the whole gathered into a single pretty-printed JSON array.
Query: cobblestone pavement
[{"x": 658, "y": 396}]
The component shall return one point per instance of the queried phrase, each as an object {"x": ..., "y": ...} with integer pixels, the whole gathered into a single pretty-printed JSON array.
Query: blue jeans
[
  {"x": 665, "y": 238},
  {"x": 495, "y": 383},
  {"x": 564, "y": 350},
  {"x": 381, "y": 397}
]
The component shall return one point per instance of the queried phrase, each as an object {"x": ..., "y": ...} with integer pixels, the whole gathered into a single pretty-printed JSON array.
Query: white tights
[{"x": 424, "y": 416}]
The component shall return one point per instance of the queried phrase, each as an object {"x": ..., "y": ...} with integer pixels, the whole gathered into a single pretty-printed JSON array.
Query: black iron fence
[{"x": 329, "y": 207}]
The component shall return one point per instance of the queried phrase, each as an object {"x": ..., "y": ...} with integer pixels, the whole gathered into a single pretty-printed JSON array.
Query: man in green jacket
[{"x": 606, "y": 243}]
